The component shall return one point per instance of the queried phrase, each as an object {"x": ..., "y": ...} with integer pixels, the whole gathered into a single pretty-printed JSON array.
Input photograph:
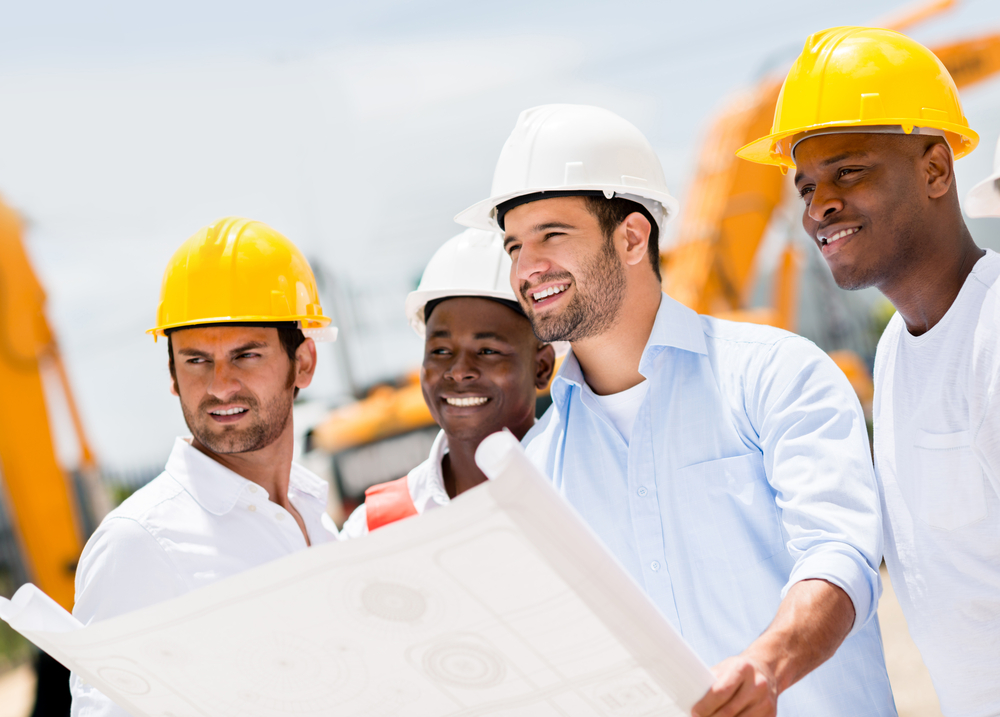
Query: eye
[
  {"x": 805, "y": 191},
  {"x": 439, "y": 352},
  {"x": 196, "y": 360},
  {"x": 488, "y": 352},
  {"x": 511, "y": 248}
]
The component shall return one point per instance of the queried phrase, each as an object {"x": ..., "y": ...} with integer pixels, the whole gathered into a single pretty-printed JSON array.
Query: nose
[
  {"x": 224, "y": 384},
  {"x": 463, "y": 368},
  {"x": 823, "y": 203},
  {"x": 528, "y": 263}
]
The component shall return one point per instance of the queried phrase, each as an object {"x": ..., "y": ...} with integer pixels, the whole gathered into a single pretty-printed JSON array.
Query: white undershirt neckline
[{"x": 623, "y": 407}]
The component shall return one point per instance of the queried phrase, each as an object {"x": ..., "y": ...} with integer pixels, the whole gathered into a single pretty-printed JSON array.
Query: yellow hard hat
[
  {"x": 238, "y": 270},
  {"x": 863, "y": 79}
]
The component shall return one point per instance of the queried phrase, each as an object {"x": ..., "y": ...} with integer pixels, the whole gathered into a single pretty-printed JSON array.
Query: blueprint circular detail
[
  {"x": 124, "y": 681},
  {"x": 393, "y": 602},
  {"x": 464, "y": 665}
]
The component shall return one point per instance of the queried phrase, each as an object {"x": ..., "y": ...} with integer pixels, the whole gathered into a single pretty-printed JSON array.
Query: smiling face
[
  {"x": 482, "y": 365},
  {"x": 566, "y": 272},
  {"x": 866, "y": 202},
  {"x": 236, "y": 385}
]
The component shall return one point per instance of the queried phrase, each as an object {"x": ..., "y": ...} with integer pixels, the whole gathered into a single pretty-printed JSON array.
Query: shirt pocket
[
  {"x": 731, "y": 512},
  {"x": 948, "y": 489}
]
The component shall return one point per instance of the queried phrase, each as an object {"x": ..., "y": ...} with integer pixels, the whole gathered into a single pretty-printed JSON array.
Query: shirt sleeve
[
  {"x": 816, "y": 454},
  {"x": 123, "y": 568}
]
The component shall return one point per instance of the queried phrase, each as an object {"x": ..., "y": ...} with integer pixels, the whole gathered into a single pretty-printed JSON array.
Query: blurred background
[{"x": 359, "y": 130}]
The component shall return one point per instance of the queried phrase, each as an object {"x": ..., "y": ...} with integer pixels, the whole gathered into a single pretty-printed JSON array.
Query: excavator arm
[{"x": 39, "y": 492}]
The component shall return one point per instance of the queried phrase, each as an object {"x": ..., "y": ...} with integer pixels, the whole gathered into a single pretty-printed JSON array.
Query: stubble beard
[
  {"x": 587, "y": 314},
  {"x": 265, "y": 427}
]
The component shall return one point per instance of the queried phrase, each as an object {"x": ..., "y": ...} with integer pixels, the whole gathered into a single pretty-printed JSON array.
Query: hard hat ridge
[
  {"x": 574, "y": 150},
  {"x": 863, "y": 79},
  {"x": 239, "y": 271}
]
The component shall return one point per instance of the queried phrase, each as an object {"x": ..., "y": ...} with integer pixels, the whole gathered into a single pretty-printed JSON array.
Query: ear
[
  {"x": 635, "y": 230},
  {"x": 173, "y": 387},
  {"x": 939, "y": 169},
  {"x": 545, "y": 363},
  {"x": 305, "y": 363}
]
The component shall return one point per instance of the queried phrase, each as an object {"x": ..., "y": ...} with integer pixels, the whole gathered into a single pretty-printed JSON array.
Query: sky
[{"x": 357, "y": 129}]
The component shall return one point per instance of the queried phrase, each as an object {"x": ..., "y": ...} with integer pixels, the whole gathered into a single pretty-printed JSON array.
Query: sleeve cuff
[{"x": 844, "y": 567}]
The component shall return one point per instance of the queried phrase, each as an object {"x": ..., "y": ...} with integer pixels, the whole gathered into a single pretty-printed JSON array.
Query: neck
[
  {"x": 269, "y": 467},
  {"x": 610, "y": 361},
  {"x": 459, "y": 467},
  {"x": 923, "y": 294}
]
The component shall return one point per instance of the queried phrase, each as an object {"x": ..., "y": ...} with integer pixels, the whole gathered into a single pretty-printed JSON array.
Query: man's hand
[
  {"x": 812, "y": 621},
  {"x": 742, "y": 687}
]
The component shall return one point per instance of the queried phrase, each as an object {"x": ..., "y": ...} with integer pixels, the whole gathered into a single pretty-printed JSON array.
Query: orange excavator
[
  {"x": 49, "y": 507},
  {"x": 712, "y": 266}
]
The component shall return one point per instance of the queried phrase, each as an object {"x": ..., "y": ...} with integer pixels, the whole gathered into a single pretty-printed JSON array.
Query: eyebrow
[
  {"x": 538, "y": 228},
  {"x": 240, "y": 349},
  {"x": 445, "y": 334},
  {"x": 833, "y": 160}
]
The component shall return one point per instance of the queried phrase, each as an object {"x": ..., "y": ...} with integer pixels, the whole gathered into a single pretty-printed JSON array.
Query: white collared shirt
[
  {"x": 194, "y": 524},
  {"x": 427, "y": 491}
]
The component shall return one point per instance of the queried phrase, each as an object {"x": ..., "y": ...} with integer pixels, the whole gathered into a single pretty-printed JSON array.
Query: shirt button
[
  {"x": 253, "y": 489},
  {"x": 655, "y": 565},
  {"x": 252, "y": 508},
  {"x": 279, "y": 516},
  {"x": 642, "y": 491}
]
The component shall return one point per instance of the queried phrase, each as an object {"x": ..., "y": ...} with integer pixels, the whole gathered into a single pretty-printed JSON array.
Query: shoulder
[
  {"x": 747, "y": 351},
  {"x": 150, "y": 501},
  {"x": 539, "y": 442}
]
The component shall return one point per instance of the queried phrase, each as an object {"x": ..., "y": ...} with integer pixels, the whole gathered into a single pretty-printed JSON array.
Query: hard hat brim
[
  {"x": 305, "y": 322},
  {"x": 417, "y": 300},
  {"x": 766, "y": 150},
  {"x": 983, "y": 200},
  {"x": 481, "y": 215}
]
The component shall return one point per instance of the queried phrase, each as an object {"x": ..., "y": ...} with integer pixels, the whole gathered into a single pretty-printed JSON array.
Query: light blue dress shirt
[{"x": 748, "y": 469}]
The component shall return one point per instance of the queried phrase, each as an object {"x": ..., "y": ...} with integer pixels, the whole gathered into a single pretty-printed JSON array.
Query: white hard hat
[
  {"x": 983, "y": 200},
  {"x": 470, "y": 264},
  {"x": 575, "y": 149}
]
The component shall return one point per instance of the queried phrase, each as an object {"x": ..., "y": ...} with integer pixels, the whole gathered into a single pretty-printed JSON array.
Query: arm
[
  {"x": 815, "y": 449},
  {"x": 812, "y": 621}
]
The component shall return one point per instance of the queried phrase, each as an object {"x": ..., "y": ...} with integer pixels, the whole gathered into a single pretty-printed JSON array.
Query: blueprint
[{"x": 502, "y": 603}]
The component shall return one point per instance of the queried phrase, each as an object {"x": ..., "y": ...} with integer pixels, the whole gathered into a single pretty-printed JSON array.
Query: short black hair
[
  {"x": 610, "y": 213},
  {"x": 289, "y": 334}
]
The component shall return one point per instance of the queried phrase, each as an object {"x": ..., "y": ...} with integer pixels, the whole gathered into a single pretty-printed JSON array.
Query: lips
[
  {"x": 545, "y": 294},
  {"x": 828, "y": 237}
]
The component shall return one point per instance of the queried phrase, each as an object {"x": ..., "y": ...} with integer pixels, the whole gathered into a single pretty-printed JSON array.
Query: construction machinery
[{"x": 714, "y": 265}]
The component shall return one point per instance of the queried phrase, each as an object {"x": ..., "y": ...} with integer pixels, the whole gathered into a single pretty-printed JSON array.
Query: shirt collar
[
  {"x": 216, "y": 488},
  {"x": 675, "y": 326}
]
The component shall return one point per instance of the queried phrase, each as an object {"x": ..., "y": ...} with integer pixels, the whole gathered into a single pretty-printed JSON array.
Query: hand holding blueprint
[{"x": 503, "y": 603}]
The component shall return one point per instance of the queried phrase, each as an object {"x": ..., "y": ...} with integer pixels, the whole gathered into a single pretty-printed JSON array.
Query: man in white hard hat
[
  {"x": 872, "y": 123},
  {"x": 240, "y": 312},
  {"x": 481, "y": 370},
  {"x": 726, "y": 465}
]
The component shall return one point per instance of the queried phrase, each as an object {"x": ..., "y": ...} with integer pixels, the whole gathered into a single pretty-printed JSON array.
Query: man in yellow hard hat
[
  {"x": 725, "y": 465},
  {"x": 871, "y": 124},
  {"x": 238, "y": 305}
]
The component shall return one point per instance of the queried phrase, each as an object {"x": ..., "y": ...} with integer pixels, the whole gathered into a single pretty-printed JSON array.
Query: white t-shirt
[
  {"x": 623, "y": 407},
  {"x": 937, "y": 456}
]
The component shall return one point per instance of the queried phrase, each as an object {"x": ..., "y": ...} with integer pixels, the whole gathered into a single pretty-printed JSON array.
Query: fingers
[{"x": 741, "y": 689}]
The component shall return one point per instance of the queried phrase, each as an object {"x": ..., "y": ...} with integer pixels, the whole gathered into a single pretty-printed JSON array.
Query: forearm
[{"x": 812, "y": 622}]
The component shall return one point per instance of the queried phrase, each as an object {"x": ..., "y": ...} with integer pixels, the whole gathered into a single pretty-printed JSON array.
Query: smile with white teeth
[
  {"x": 839, "y": 235},
  {"x": 473, "y": 401},
  {"x": 229, "y": 412},
  {"x": 551, "y": 291}
]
